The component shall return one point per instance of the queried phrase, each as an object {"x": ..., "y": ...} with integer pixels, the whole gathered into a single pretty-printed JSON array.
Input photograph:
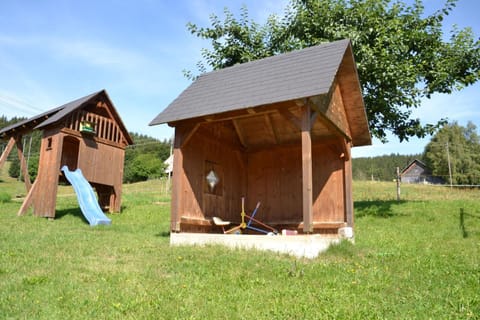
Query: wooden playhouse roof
[
  {"x": 57, "y": 114},
  {"x": 291, "y": 76}
]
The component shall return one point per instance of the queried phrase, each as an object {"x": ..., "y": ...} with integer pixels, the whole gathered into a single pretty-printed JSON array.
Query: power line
[{"x": 9, "y": 102}]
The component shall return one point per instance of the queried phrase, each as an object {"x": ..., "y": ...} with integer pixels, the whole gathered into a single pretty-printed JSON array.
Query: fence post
[{"x": 398, "y": 184}]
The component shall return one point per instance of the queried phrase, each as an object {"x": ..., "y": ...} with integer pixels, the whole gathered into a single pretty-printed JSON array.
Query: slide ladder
[{"x": 86, "y": 197}]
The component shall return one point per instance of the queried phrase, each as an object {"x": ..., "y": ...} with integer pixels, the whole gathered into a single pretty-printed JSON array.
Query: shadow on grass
[
  {"x": 376, "y": 208},
  {"x": 163, "y": 234},
  {"x": 465, "y": 216},
  {"x": 74, "y": 211}
]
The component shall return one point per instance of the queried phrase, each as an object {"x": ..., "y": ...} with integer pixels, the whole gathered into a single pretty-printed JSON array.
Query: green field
[{"x": 414, "y": 259}]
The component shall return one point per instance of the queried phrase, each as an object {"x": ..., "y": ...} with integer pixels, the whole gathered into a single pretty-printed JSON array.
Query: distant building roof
[
  {"x": 295, "y": 75},
  {"x": 412, "y": 165},
  {"x": 418, "y": 172}
]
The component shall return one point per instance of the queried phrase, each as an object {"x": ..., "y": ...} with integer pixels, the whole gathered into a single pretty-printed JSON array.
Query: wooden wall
[
  {"x": 46, "y": 185},
  {"x": 275, "y": 179},
  {"x": 202, "y": 153},
  {"x": 272, "y": 176},
  {"x": 100, "y": 163}
]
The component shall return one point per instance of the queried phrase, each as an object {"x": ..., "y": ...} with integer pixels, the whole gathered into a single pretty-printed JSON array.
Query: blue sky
[{"x": 55, "y": 51}]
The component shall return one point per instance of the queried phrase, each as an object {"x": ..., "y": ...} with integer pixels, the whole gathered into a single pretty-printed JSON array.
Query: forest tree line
[{"x": 381, "y": 168}]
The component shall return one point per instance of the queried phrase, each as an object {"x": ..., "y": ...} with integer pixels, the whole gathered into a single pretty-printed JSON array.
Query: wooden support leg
[
  {"x": 7, "y": 151},
  {"x": 23, "y": 164},
  {"x": 27, "y": 203}
]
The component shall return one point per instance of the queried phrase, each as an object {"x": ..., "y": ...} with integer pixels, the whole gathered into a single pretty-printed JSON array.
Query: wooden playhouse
[
  {"x": 86, "y": 133},
  {"x": 277, "y": 130}
]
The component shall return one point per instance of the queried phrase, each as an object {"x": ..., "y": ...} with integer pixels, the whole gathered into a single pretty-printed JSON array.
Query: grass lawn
[{"x": 418, "y": 258}]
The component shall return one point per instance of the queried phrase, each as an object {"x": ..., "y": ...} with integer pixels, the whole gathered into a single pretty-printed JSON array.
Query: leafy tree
[
  {"x": 31, "y": 152},
  {"x": 463, "y": 145},
  {"x": 401, "y": 54},
  {"x": 143, "y": 167},
  {"x": 32, "y": 149},
  {"x": 145, "y": 159}
]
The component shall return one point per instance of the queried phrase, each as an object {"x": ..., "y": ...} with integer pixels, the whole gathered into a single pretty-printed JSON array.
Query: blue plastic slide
[{"x": 86, "y": 197}]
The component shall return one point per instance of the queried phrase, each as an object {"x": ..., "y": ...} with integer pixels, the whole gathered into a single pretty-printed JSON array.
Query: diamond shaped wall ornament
[{"x": 212, "y": 179}]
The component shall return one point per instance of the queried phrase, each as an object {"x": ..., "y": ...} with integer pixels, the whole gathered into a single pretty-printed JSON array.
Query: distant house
[
  {"x": 418, "y": 172},
  {"x": 169, "y": 165}
]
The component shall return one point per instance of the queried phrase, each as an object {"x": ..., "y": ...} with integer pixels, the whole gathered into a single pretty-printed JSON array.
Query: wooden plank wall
[
  {"x": 100, "y": 163},
  {"x": 45, "y": 198},
  {"x": 328, "y": 187},
  {"x": 275, "y": 179},
  {"x": 272, "y": 176},
  {"x": 197, "y": 203}
]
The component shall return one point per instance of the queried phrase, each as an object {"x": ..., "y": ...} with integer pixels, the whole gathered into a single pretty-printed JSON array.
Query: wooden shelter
[
  {"x": 276, "y": 130},
  {"x": 86, "y": 133},
  {"x": 418, "y": 172}
]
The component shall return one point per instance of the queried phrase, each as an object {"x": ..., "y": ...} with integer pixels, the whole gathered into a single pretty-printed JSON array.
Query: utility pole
[{"x": 449, "y": 166}]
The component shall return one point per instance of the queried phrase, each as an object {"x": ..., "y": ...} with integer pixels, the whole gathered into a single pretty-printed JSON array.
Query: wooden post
[
  {"x": 7, "y": 151},
  {"x": 177, "y": 183},
  {"x": 347, "y": 182},
  {"x": 307, "y": 171},
  {"x": 23, "y": 163},
  {"x": 398, "y": 184}
]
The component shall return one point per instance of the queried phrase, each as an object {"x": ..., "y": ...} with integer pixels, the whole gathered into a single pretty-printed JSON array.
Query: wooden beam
[
  {"x": 238, "y": 130},
  {"x": 332, "y": 110},
  {"x": 177, "y": 184},
  {"x": 347, "y": 183},
  {"x": 236, "y": 114},
  {"x": 291, "y": 118},
  {"x": 228, "y": 144},
  {"x": 7, "y": 151},
  {"x": 346, "y": 149},
  {"x": 189, "y": 134},
  {"x": 307, "y": 180},
  {"x": 27, "y": 202},
  {"x": 300, "y": 102},
  {"x": 313, "y": 118},
  {"x": 23, "y": 163},
  {"x": 323, "y": 118},
  {"x": 269, "y": 128}
]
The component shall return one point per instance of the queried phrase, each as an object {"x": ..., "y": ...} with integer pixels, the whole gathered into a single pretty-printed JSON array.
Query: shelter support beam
[
  {"x": 292, "y": 120},
  {"x": 347, "y": 183},
  {"x": 186, "y": 137},
  {"x": 177, "y": 206},
  {"x": 7, "y": 151},
  {"x": 307, "y": 181},
  {"x": 239, "y": 133},
  {"x": 23, "y": 164},
  {"x": 269, "y": 128}
]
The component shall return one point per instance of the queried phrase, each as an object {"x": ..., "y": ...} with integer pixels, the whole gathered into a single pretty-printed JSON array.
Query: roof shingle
[{"x": 294, "y": 75}]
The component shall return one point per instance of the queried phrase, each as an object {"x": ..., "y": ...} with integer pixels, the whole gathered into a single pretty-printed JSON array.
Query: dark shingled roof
[
  {"x": 57, "y": 114},
  {"x": 67, "y": 109},
  {"x": 294, "y": 75}
]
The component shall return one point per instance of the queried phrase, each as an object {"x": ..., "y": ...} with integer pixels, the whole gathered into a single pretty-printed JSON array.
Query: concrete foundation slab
[{"x": 301, "y": 246}]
